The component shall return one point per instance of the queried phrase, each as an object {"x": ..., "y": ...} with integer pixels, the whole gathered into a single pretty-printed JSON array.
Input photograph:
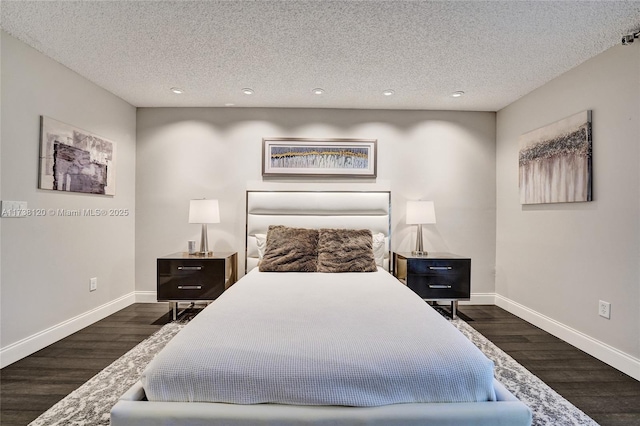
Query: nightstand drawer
[
  {"x": 449, "y": 286},
  {"x": 190, "y": 268},
  {"x": 440, "y": 267},
  {"x": 179, "y": 290}
]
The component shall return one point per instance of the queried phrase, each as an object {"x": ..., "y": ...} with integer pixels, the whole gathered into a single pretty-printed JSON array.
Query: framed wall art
[
  {"x": 319, "y": 157},
  {"x": 555, "y": 164},
  {"x": 75, "y": 160}
]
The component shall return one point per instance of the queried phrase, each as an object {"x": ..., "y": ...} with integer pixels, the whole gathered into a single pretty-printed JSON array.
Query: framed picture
[
  {"x": 319, "y": 157},
  {"x": 555, "y": 162},
  {"x": 75, "y": 160}
]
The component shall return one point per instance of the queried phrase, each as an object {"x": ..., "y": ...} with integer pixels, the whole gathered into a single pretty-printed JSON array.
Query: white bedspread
[{"x": 355, "y": 339}]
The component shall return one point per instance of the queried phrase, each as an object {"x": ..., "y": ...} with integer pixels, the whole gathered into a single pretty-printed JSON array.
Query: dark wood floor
[
  {"x": 608, "y": 396},
  {"x": 32, "y": 385}
]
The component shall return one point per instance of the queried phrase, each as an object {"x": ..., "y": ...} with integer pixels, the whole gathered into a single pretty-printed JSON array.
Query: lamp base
[
  {"x": 201, "y": 254},
  {"x": 419, "y": 251},
  {"x": 204, "y": 242}
]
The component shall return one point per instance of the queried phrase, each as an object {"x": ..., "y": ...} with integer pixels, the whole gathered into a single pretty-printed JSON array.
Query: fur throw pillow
[
  {"x": 346, "y": 250},
  {"x": 290, "y": 250}
]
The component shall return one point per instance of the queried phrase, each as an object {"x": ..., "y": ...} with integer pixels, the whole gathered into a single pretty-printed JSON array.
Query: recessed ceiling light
[
  {"x": 247, "y": 91},
  {"x": 229, "y": 104},
  {"x": 457, "y": 94},
  {"x": 388, "y": 92},
  {"x": 318, "y": 91},
  {"x": 177, "y": 90}
]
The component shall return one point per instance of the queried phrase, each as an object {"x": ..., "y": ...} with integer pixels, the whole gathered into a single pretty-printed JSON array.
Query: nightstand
[
  {"x": 188, "y": 278},
  {"x": 436, "y": 276}
]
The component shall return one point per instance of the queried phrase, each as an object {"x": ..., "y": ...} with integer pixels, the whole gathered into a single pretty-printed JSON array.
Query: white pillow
[
  {"x": 379, "y": 248},
  {"x": 261, "y": 241}
]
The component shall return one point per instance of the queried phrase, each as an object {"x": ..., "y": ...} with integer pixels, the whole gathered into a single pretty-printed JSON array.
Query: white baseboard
[
  {"x": 600, "y": 350},
  {"x": 25, "y": 347},
  {"x": 146, "y": 297},
  {"x": 476, "y": 299},
  {"x": 480, "y": 299},
  {"x": 151, "y": 297}
]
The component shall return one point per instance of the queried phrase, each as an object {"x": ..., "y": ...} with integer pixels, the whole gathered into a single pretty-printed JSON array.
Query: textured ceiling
[{"x": 494, "y": 51}]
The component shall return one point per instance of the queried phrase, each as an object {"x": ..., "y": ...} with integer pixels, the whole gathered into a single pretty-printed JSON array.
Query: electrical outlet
[
  {"x": 604, "y": 309},
  {"x": 93, "y": 284}
]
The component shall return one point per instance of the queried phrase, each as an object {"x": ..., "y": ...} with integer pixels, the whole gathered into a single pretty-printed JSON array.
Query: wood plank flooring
[
  {"x": 32, "y": 385},
  {"x": 608, "y": 396}
]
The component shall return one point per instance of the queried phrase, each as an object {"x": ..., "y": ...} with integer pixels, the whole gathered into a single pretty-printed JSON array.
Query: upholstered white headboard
[{"x": 316, "y": 209}]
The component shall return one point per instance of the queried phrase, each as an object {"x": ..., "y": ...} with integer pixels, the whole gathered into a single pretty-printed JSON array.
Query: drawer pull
[
  {"x": 439, "y": 286},
  {"x": 440, "y": 268},
  {"x": 189, "y": 268},
  {"x": 189, "y": 287}
]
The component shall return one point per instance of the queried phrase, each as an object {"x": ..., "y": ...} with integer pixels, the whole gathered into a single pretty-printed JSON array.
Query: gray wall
[
  {"x": 47, "y": 261},
  {"x": 558, "y": 260},
  {"x": 553, "y": 262},
  {"x": 185, "y": 153}
]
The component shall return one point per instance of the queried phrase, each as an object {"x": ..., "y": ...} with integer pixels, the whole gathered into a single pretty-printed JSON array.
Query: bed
[{"x": 318, "y": 348}]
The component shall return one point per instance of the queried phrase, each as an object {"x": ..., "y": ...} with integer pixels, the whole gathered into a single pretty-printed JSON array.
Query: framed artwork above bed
[{"x": 319, "y": 157}]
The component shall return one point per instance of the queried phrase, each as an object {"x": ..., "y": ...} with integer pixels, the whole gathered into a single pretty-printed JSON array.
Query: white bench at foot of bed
[{"x": 134, "y": 410}]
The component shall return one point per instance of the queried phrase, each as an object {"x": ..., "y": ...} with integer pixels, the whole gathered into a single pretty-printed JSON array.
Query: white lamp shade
[
  {"x": 420, "y": 212},
  {"x": 204, "y": 211}
]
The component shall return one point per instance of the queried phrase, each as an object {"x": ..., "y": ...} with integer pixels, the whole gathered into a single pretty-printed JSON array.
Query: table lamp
[
  {"x": 420, "y": 213},
  {"x": 204, "y": 211}
]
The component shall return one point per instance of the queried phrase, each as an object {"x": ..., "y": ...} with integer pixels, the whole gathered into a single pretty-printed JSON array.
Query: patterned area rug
[
  {"x": 90, "y": 403},
  {"x": 548, "y": 406}
]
